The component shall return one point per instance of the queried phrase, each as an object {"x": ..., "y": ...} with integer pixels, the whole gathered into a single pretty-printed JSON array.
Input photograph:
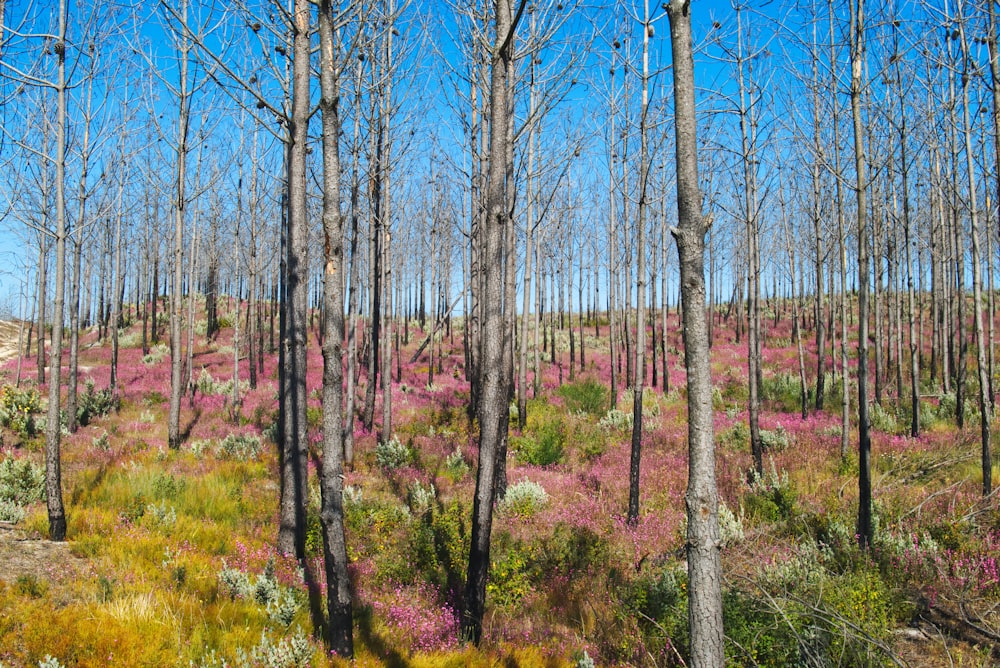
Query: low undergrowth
[{"x": 179, "y": 565}]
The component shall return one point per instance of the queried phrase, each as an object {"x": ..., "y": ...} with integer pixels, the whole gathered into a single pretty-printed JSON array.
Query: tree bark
[
  {"x": 639, "y": 381},
  {"x": 292, "y": 393},
  {"x": 339, "y": 635},
  {"x": 53, "y": 472},
  {"x": 74, "y": 296},
  {"x": 985, "y": 404},
  {"x": 493, "y": 412},
  {"x": 819, "y": 311},
  {"x": 748, "y": 138},
  {"x": 180, "y": 206},
  {"x": 845, "y": 394},
  {"x": 704, "y": 565},
  {"x": 865, "y": 527}
]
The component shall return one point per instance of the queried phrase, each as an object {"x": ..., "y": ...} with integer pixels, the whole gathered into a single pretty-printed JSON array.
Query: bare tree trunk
[
  {"x": 42, "y": 292},
  {"x": 910, "y": 297},
  {"x": 957, "y": 239},
  {"x": 292, "y": 393},
  {"x": 53, "y": 473},
  {"x": 612, "y": 259},
  {"x": 583, "y": 356},
  {"x": 339, "y": 633},
  {"x": 355, "y": 287},
  {"x": 797, "y": 325},
  {"x": 509, "y": 292},
  {"x": 384, "y": 214},
  {"x": 237, "y": 298},
  {"x": 991, "y": 309},
  {"x": 529, "y": 232},
  {"x": 994, "y": 54},
  {"x": 386, "y": 350},
  {"x": 985, "y": 405},
  {"x": 639, "y": 382},
  {"x": 702, "y": 500},
  {"x": 819, "y": 310},
  {"x": 180, "y": 206},
  {"x": 493, "y": 412},
  {"x": 748, "y": 135},
  {"x": 876, "y": 255},
  {"x": 845, "y": 404},
  {"x": 74, "y": 296},
  {"x": 375, "y": 271},
  {"x": 865, "y": 529},
  {"x": 20, "y": 316},
  {"x": 663, "y": 293},
  {"x": 118, "y": 274},
  {"x": 189, "y": 380}
]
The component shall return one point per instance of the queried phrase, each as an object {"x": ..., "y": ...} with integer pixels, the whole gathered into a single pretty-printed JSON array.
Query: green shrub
[
  {"x": 545, "y": 447},
  {"x": 774, "y": 439},
  {"x": 850, "y": 610},
  {"x": 241, "y": 447},
  {"x": 586, "y": 396},
  {"x": 510, "y": 579},
  {"x": 883, "y": 419},
  {"x": 101, "y": 442},
  {"x": 718, "y": 402},
  {"x": 572, "y": 549},
  {"x": 199, "y": 447},
  {"x": 730, "y": 526},
  {"x": 860, "y": 601},
  {"x": 735, "y": 389},
  {"x": 11, "y": 512},
  {"x": 658, "y": 600},
  {"x": 771, "y": 496},
  {"x": 162, "y": 515},
  {"x": 18, "y": 408},
  {"x": 590, "y": 440},
  {"x": 928, "y": 415},
  {"x": 523, "y": 498},
  {"x": 736, "y": 437},
  {"x": 783, "y": 391},
  {"x": 421, "y": 498},
  {"x": 292, "y": 652},
  {"x": 209, "y": 385},
  {"x": 391, "y": 454},
  {"x": 128, "y": 339},
  {"x": 650, "y": 402},
  {"x": 759, "y": 635},
  {"x": 947, "y": 409},
  {"x": 617, "y": 420},
  {"x": 455, "y": 465},
  {"x": 94, "y": 403},
  {"x": 833, "y": 392},
  {"x": 21, "y": 481},
  {"x": 951, "y": 535},
  {"x": 156, "y": 354},
  {"x": 28, "y": 584},
  {"x": 280, "y": 603},
  {"x": 450, "y": 541}
]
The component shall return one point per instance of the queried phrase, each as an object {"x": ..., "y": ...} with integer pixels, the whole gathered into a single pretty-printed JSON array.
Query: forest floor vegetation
[{"x": 171, "y": 561}]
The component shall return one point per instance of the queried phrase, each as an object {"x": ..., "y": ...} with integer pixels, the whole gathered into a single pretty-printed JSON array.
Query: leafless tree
[
  {"x": 493, "y": 413},
  {"x": 857, "y": 32},
  {"x": 702, "y": 499}
]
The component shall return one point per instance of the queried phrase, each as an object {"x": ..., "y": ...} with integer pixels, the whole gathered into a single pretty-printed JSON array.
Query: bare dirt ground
[
  {"x": 41, "y": 560},
  {"x": 8, "y": 339},
  {"x": 20, "y": 554}
]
